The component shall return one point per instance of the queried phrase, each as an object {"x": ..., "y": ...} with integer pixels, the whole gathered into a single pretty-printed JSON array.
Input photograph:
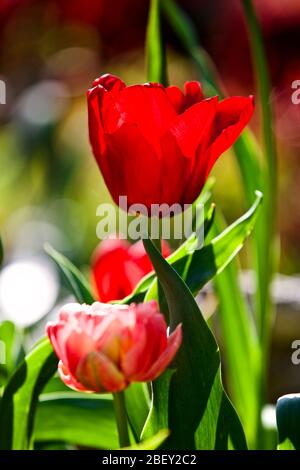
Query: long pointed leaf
[
  {"x": 200, "y": 414},
  {"x": 75, "y": 418},
  {"x": 242, "y": 353},
  {"x": 1, "y": 252},
  {"x": 19, "y": 401},
  {"x": 73, "y": 276},
  {"x": 156, "y": 58},
  {"x": 200, "y": 266},
  {"x": 152, "y": 443}
]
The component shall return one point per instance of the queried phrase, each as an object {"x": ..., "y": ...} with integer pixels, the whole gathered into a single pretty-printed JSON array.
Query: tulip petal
[
  {"x": 232, "y": 116},
  {"x": 114, "y": 271},
  {"x": 135, "y": 171},
  {"x": 176, "y": 97},
  {"x": 193, "y": 93},
  {"x": 73, "y": 336},
  {"x": 148, "y": 341},
  {"x": 191, "y": 127},
  {"x": 69, "y": 380},
  {"x": 149, "y": 108},
  {"x": 180, "y": 144},
  {"x": 117, "y": 267},
  {"x": 174, "y": 342},
  {"x": 96, "y": 130},
  {"x": 78, "y": 345},
  {"x": 59, "y": 332},
  {"x": 176, "y": 170},
  {"x": 110, "y": 83},
  {"x": 52, "y": 331},
  {"x": 99, "y": 374}
]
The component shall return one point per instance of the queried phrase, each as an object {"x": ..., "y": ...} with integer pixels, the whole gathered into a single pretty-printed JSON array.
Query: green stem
[
  {"x": 188, "y": 36},
  {"x": 155, "y": 48},
  {"x": 121, "y": 418}
]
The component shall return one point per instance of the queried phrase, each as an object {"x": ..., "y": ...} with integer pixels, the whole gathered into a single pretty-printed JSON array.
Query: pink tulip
[{"x": 103, "y": 347}]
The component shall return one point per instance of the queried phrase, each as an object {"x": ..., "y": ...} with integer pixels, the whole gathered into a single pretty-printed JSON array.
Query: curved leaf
[
  {"x": 241, "y": 348},
  {"x": 19, "y": 401},
  {"x": 152, "y": 443},
  {"x": 10, "y": 343},
  {"x": 76, "y": 418},
  {"x": 185, "y": 248},
  {"x": 200, "y": 415},
  {"x": 137, "y": 405},
  {"x": 1, "y": 252},
  {"x": 73, "y": 276},
  {"x": 213, "y": 257}
]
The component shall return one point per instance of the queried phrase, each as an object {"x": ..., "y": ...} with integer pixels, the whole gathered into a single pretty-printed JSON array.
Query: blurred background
[{"x": 50, "y": 186}]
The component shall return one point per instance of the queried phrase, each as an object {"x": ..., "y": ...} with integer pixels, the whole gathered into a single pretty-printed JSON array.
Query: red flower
[
  {"x": 103, "y": 348},
  {"x": 158, "y": 145},
  {"x": 118, "y": 266}
]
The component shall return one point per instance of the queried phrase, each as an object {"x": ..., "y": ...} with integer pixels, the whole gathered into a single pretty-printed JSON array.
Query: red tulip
[
  {"x": 103, "y": 348},
  {"x": 158, "y": 145},
  {"x": 118, "y": 266}
]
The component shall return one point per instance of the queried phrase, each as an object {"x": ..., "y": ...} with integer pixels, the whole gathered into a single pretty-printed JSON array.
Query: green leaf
[
  {"x": 55, "y": 385},
  {"x": 267, "y": 247},
  {"x": 76, "y": 418},
  {"x": 19, "y": 401},
  {"x": 288, "y": 422},
  {"x": 155, "y": 50},
  {"x": 213, "y": 257},
  {"x": 152, "y": 443},
  {"x": 254, "y": 172},
  {"x": 188, "y": 36},
  {"x": 1, "y": 252},
  {"x": 137, "y": 405},
  {"x": 10, "y": 343},
  {"x": 242, "y": 353},
  {"x": 184, "y": 250},
  {"x": 200, "y": 413},
  {"x": 73, "y": 276}
]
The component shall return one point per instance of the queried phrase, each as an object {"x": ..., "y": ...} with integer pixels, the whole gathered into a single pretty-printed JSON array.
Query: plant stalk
[
  {"x": 121, "y": 419},
  {"x": 155, "y": 47}
]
